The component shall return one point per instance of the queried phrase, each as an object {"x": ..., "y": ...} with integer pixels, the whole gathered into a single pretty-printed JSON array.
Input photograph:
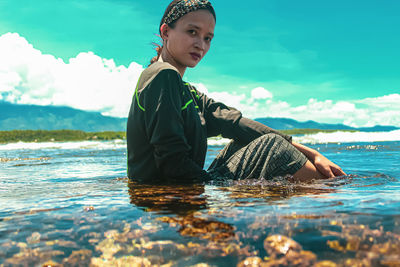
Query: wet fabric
[
  {"x": 266, "y": 157},
  {"x": 169, "y": 123}
]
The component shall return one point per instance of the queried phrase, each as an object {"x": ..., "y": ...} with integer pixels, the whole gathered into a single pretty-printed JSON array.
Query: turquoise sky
[{"x": 337, "y": 50}]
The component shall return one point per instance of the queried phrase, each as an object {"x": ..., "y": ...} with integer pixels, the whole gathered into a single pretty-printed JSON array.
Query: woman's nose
[{"x": 199, "y": 43}]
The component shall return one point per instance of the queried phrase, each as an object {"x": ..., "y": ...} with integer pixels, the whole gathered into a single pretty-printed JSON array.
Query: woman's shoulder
[
  {"x": 157, "y": 69},
  {"x": 159, "y": 66}
]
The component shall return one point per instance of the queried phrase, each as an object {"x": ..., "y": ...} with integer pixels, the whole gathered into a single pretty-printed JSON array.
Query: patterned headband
[{"x": 186, "y": 6}]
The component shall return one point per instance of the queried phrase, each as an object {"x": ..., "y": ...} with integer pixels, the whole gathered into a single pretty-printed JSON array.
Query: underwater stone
[
  {"x": 250, "y": 262},
  {"x": 277, "y": 245}
]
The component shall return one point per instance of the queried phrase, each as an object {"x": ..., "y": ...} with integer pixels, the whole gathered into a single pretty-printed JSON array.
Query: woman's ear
[{"x": 164, "y": 31}]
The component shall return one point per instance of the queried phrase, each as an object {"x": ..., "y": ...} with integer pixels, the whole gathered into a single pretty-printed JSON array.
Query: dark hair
[{"x": 171, "y": 25}]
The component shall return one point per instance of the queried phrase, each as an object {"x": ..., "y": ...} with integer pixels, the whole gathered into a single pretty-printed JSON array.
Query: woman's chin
[{"x": 193, "y": 64}]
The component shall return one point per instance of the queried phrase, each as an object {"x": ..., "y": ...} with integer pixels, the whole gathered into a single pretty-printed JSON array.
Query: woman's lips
[{"x": 195, "y": 56}]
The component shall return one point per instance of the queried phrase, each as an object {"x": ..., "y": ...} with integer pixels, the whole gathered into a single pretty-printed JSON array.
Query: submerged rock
[
  {"x": 325, "y": 264},
  {"x": 32, "y": 257},
  {"x": 278, "y": 245},
  {"x": 78, "y": 258},
  {"x": 250, "y": 262},
  {"x": 283, "y": 251},
  {"x": 34, "y": 238},
  {"x": 51, "y": 264},
  {"x": 123, "y": 261}
]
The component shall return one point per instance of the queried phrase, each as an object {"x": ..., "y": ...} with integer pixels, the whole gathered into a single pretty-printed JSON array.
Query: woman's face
[{"x": 189, "y": 41}]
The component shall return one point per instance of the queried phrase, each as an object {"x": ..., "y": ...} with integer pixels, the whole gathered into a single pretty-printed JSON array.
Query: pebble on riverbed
[
  {"x": 123, "y": 261},
  {"x": 78, "y": 258},
  {"x": 373, "y": 247},
  {"x": 89, "y": 208},
  {"x": 278, "y": 245},
  {"x": 199, "y": 227},
  {"x": 283, "y": 251}
]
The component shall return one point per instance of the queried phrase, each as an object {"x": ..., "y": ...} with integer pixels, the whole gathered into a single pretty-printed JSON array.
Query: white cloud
[
  {"x": 201, "y": 87},
  {"x": 232, "y": 100},
  {"x": 86, "y": 82},
  {"x": 348, "y": 112},
  {"x": 383, "y": 101},
  {"x": 90, "y": 82},
  {"x": 384, "y": 110},
  {"x": 260, "y": 93}
]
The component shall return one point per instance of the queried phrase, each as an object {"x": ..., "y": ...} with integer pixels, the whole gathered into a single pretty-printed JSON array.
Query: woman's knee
[{"x": 272, "y": 137}]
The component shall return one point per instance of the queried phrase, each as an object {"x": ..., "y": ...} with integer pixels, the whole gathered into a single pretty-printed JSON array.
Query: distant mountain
[
  {"x": 33, "y": 117},
  {"x": 287, "y": 124}
]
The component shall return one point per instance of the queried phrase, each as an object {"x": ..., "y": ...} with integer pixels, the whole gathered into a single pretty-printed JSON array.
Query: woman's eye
[{"x": 192, "y": 32}]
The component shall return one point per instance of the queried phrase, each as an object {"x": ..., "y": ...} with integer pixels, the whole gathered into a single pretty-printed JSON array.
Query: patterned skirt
[{"x": 266, "y": 157}]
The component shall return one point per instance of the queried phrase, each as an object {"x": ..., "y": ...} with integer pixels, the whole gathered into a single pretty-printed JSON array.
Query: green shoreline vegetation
[
  {"x": 76, "y": 135},
  {"x": 56, "y": 136}
]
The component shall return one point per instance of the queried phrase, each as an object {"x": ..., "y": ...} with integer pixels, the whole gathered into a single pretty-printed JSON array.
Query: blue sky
[{"x": 321, "y": 55}]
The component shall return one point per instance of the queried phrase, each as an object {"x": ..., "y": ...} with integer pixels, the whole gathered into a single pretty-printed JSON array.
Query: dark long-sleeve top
[{"x": 168, "y": 125}]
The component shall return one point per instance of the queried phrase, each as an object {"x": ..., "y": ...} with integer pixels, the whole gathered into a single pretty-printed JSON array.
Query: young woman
[{"x": 169, "y": 120}]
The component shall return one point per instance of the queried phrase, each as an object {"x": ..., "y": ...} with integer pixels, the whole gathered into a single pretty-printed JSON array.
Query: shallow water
[{"x": 71, "y": 204}]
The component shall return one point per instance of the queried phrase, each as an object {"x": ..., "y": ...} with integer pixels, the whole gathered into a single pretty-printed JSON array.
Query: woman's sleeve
[
  {"x": 230, "y": 123},
  {"x": 165, "y": 129}
]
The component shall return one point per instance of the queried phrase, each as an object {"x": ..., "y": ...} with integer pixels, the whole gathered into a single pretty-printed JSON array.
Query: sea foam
[
  {"x": 114, "y": 144},
  {"x": 334, "y": 137},
  {"x": 318, "y": 138},
  {"x": 348, "y": 137}
]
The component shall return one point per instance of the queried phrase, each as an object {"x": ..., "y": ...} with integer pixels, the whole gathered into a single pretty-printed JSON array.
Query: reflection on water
[
  {"x": 166, "y": 199},
  {"x": 250, "y": 190},
  {"x": 81, "y": 210},
  {"x": 182, "y": 202}
]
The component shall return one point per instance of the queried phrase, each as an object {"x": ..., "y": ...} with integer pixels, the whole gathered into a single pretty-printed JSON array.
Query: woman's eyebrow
[{"x": 194, "y": 26}]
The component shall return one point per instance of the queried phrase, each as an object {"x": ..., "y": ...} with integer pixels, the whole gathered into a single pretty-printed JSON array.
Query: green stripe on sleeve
[
  {"x": 195, "y": 93},
  {"x": 187, "y": 104},
  {"x": 137, "y": 95}
]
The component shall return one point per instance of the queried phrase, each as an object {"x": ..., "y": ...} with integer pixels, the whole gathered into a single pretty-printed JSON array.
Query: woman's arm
[
  {"x": 230, "y": 123},
  {"x": 324, "y": 165}
]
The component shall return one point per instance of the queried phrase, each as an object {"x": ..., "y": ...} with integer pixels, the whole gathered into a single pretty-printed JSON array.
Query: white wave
[
  {"x": 348, "y": 137},
  {"x": 114, "y": 144},
  {"x": 335, "y": 137},
  {"x": 218, "y": 141}
]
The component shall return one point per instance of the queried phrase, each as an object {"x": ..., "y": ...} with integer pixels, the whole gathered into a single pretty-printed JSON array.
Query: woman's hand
[
  {"x": 323, "y": 165},
  {"x": 327, "y": 167}
]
